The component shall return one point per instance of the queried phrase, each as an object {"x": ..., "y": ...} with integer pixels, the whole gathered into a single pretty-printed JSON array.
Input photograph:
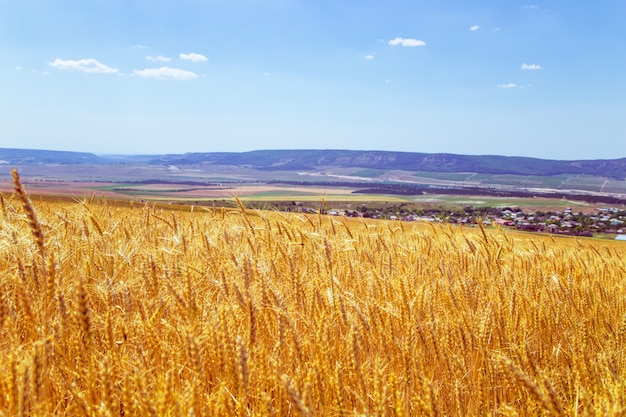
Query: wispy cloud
[
  {"x": 474, "y": 28},
  {"x": 166, "y": 73},
  {"x": 369, "y": 56},
  {"x": 159, "y": 58},
  {"x": 531, "y": 67},
  {"x": 406, "y": 42},
  {"x": 193, "y": 57},
  {"x": 89, "y": 65},
  {"x": 509, "y": 85},
  {"x": 141, "y": 47},
  {"x": 531, "y": 6}
]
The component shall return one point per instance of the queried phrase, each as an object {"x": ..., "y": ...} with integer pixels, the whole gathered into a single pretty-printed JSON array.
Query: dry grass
[{"x": 137, "y": 311}]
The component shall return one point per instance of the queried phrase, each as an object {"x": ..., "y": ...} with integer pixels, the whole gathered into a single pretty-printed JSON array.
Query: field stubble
[{"x": 112, "y": 311}]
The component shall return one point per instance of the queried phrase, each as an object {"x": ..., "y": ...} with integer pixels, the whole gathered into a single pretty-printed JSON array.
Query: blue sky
[{"x": 538, "y": 78}]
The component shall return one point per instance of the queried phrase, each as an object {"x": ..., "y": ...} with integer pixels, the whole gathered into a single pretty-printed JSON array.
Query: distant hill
[
  {"x": 305, "y": 160},
  {"x": 275, "y": 160},
  {"x": 13, "y": 156}
]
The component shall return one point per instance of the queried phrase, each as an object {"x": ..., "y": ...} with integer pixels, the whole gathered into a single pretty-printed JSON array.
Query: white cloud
[
  {"x": 509, "y": 85},
  {"x": 388, "y": 81},
  {"x": 85, "y": 65},
  {"x": 18, "y": 68},
  {"x": 166, "y": 73},
  {"x": 370, "y": 56},
  {"x": 406, "y": 42},
  {"x": 474, "y": 28},
  {"x": 159, "y": 58},
  {"x": 193, "y": 57},
  {"x": 531, "y": 6},
  {"x": 141, "y": 47},
  {"x": 531, "y": 67}
]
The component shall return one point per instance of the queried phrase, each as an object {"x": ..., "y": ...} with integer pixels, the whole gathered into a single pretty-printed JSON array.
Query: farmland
[
  {"x": 111, "y": 308},
  {"x": 199, "y": 193}
]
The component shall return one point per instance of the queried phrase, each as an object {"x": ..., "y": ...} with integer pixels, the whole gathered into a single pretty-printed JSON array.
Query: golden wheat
[{"x": 143, "y": 311}]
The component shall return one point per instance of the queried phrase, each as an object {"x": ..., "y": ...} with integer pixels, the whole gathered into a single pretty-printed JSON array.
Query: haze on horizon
[{"x": 527, "y": 78}]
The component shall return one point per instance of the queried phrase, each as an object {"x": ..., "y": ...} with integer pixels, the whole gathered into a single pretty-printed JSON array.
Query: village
[
  {"x": 605, "y": 221},
  {"x": 566, "y": 222}
]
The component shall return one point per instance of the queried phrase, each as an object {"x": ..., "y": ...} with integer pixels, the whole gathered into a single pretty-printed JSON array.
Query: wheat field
[{"x": 109, "y": 310}]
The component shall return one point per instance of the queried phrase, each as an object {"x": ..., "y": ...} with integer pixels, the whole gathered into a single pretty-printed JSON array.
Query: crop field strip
[{"x": 110, "y": 310}]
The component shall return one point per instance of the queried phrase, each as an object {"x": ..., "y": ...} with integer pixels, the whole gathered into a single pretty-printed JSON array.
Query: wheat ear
[{"x": 34, "y": 224}]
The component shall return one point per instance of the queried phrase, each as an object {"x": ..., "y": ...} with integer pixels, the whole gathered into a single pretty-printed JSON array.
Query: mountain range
[{"x": 310, "y": 160}]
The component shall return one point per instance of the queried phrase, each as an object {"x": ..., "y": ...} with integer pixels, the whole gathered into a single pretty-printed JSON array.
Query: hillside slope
[
  {"x": 286, "y": 160},
  {"x": 409, "y": 161}
]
